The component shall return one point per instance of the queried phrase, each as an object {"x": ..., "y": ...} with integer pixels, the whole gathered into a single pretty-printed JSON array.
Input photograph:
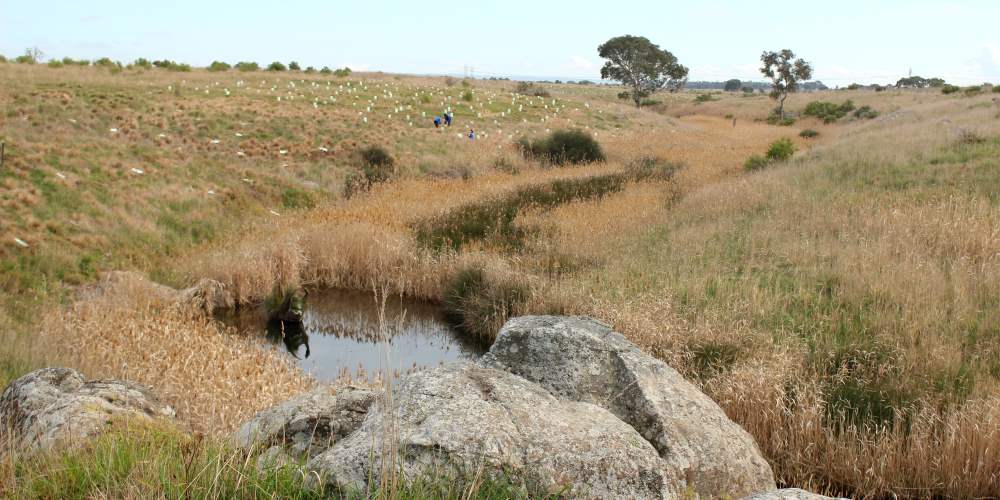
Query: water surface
[{"x": 339, "y": 336}]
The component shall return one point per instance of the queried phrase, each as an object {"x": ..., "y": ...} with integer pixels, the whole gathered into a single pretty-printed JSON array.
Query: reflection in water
[
  {"x": 340, "y": 337},
  {"x": 291, "y": 333}
]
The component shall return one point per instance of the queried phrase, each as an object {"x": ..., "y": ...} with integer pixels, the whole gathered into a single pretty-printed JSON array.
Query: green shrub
[
  {"x": 650, "y": 102},
  {"x": 572, "y": 146},
  {"x": 776, "y": 119},
  {"x": 142, "y": 62},
  {"x": 996, "y": 89},
  {"x": 950, "y": 89},
  {"x": 781, "y": 150},
  {"x": 865, "y": 113},
  {"x": 326, "y": 70},
  {"x": 247, "y": 66},
  {"x": 219, "y": 66},
  {"x": 808, "y": 133},
  {"x": 479, "y": 304},
  {"x": 377, "y": 166},
  {"x": 294, "y": 66},
  {"x": 2, "y": 59},
  {"x": 705, "y": 97},
  {"x": 755, "y": 162},
  {"x": 973, "y": 90},
  {"x": 104, "y": 62},
  {"x": 78, "y": 62},
  {"x": 310, "y": 70},
  {"x": 466, "y": 84},
  {"x": 529, "y": 88},
  {"x": 828, "y": 111},
  {"x": 853, "y": 86},
  {"x": 467, "y": 96},
  {"x": 342, "y": 72},
  {"x": 55, "y": 63},
  {"x": 276, "y": 66},
  {"x": 295, "y": 198},
  {"x": 24, "y": 59}
]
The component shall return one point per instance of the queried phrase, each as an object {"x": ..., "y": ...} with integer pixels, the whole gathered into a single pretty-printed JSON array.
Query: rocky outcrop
[
  {"x": 558, "y": 402},
  {"x": 57, "y": 406},
  {"x": 580, "y": 359},
  {"x": 307, "y": 424},
  {"x": 464, "y": 416},
  {"x": 789, "y": 494}
]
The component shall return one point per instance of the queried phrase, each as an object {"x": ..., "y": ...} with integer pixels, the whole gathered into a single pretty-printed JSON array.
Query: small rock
[{"x": 309, "y": 423}]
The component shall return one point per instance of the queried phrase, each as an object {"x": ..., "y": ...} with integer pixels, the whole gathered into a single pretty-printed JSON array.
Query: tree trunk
[
  {"x": 638, "y": 99},
  {"x": 781, "y": 106}
]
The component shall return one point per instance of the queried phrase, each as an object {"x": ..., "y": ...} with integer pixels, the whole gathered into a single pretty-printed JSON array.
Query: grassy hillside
[{"x": 840, "y": 305}]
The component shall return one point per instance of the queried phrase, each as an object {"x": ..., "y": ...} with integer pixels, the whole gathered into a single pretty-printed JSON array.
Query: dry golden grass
[{"x": 214, "y": 381}]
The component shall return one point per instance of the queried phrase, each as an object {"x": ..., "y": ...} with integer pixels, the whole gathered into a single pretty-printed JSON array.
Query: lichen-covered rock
[
  {"x": 308, "y": 423},
  {"x": 789, "y": 494},
  {"x": 57, "y": 406},
  {"x": 580, "y": 359},
  {"x": 466, "y": 416}
]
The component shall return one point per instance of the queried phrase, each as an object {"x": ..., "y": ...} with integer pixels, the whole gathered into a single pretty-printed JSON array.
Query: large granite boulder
[
  {"x": 558, "y": 402},
  {"x": 580, "y": 359},
  {"x": 307, "y": 424},
  {"x": 58, "y": 406},
  {"x": 461, "y": 417}
]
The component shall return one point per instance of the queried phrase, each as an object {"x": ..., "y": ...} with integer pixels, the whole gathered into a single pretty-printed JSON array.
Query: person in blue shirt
[
  {"x": 447, "y": 118},
  {"x": 437, "y": 121},
  {"x": 472, "y": 135}
]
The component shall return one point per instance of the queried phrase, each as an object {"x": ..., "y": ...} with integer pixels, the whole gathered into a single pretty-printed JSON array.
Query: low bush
[
  {"x": 865, "y": 113},
  {"x": 781, "y": 150},
  {"x": 828, "y": 111},
  {"x": 377, "y": 166},
  {"x": 808, "y": 133},
  {"x": 973, "y": 90},
  {"x": 342, "y": 72},
  {"x": 310, "y": 70},
  {"x": 276, "y": 66},
  {"x": 296, "y": 199},
  {"x": 755, "y": 162},
  {"x": 294, "y": 66},
  {"x": 25, "y": 59},
  {"x": 247, "y": 66},
  {"x": 529, "y": 88},
  {"x": 219, "y": 66},
  {"x": 325, "y": 71},
  {"x": 141, "y": 62},
  {"x": 479, "y": 304},
  {"x": 467, "y": 96},
  {"x": 705, "y": 97},
  {"x": 572, "y": 146},
  {"x": 104, "y": 62},
  {"x": 777, "y": 119},
  {"x": 3, "y": 59},
  {"x": 55, "y": 63},
  {"x": 996, "y": 89},
  {"x": 950, "y": 89}
]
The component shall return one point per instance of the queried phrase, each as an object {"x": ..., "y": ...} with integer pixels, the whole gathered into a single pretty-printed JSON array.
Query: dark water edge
[{"x": 339, "y": 336}]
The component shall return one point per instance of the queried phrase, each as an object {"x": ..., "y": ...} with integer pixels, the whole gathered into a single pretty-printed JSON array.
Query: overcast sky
[{"x": 845, "y": 40}]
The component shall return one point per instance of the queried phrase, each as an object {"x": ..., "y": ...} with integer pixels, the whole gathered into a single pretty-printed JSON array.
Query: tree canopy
[
  {"x": 642, "y": 66},
  {"x": 733, "y": 85},
  {"x": 785, "y": 72}
]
